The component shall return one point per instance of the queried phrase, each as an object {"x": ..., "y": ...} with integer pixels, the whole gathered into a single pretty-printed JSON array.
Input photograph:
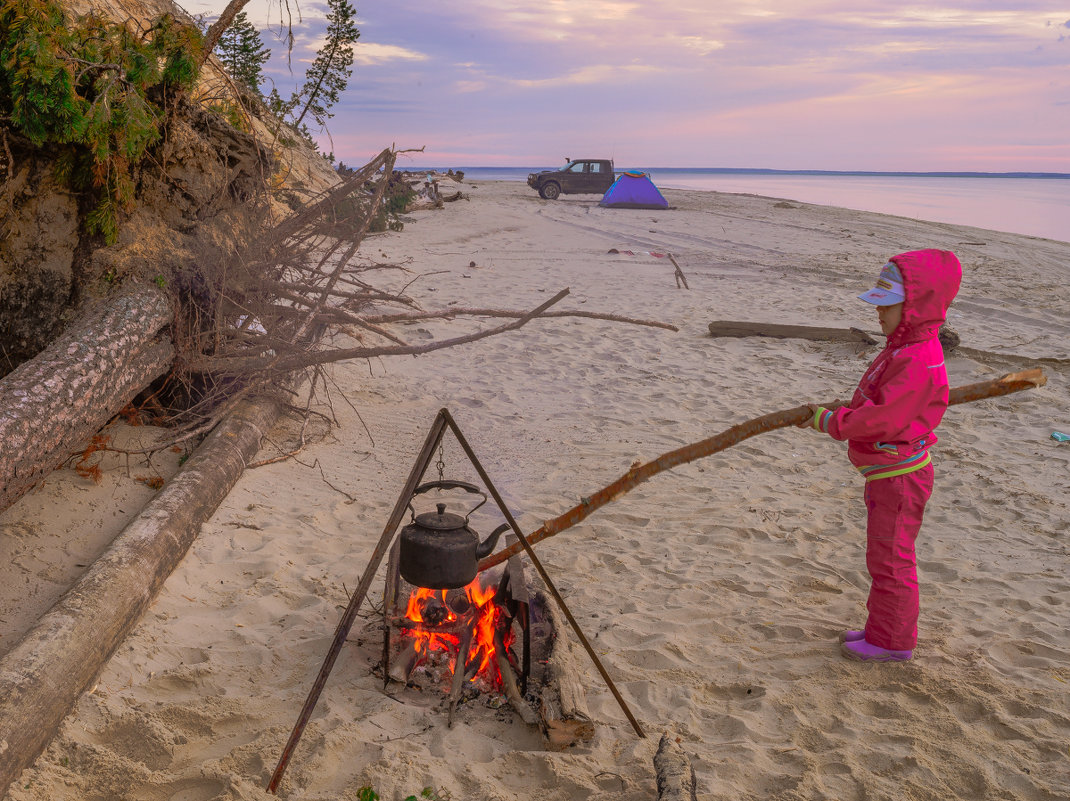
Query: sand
[{"x": 713, "y": 593}]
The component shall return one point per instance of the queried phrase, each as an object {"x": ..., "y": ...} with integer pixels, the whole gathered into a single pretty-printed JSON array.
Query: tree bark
[
  {"x": 51, "y": 405},
  {"x": 43, "y": 676}
]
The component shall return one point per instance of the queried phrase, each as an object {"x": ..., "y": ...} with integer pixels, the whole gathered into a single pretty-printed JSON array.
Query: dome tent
[{"x": 633, "y": 190}]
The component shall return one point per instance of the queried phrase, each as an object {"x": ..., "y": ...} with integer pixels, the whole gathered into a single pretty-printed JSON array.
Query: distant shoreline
[
  {"x": 766, "y": 171},
  {"x": 1034, "y": 204}
]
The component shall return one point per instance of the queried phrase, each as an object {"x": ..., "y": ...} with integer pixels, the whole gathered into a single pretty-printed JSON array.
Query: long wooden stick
[{"x": 1012, "y": 382}]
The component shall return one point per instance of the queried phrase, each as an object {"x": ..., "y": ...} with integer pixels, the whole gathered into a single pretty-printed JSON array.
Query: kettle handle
[{"x": 447, "y": 484}]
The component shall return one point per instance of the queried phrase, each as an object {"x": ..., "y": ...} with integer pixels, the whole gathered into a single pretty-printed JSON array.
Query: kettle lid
[{"x": 441, "y": 520}]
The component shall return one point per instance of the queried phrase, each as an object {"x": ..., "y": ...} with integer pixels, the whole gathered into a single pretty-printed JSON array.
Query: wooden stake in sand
[{"x": 1012, "y": 382}]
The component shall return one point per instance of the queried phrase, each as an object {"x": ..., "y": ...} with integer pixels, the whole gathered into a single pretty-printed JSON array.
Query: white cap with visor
[{"x": 889, "y": 288}]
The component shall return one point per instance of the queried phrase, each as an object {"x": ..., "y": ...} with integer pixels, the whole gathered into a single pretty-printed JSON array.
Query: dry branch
[
  {"x": 678, "y": 274},
  {"x": 296, "y": 361},
  {"x": 269, "y": 313},
  {"x": 1013, "y": 382},
  {"x": 402, "y": 317}
]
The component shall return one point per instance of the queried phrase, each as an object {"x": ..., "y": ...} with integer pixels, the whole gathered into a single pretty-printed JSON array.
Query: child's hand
[{"x": 809, "y": 421}]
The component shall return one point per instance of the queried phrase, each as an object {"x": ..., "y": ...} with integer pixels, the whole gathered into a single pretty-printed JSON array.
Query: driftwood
[
  {"x": 52, "y": 404},
  {"x": 1013, "y": 382},
  {"x": 675, "y": 773},
  {"x": 459, "y": 670},
  {"x": 44, "y": 674},
  {"x": 729, "y": 328}
]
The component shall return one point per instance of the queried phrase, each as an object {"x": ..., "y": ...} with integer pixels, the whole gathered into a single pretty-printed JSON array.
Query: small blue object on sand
[{"x": 1058, "y": 436}]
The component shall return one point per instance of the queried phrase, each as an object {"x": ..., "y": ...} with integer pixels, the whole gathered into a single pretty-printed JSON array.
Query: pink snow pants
[{"x": 895, "y": 506}]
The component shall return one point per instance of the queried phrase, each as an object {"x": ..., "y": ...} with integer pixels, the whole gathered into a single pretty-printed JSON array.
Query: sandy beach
[{"x": 714, "y": 593}]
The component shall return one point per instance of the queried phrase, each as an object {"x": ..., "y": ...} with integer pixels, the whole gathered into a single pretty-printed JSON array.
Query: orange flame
[{"x": 486, "y": 620}]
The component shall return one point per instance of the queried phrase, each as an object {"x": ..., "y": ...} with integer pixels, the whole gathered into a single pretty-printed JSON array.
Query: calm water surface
[{"x": 1032, "y": 206}]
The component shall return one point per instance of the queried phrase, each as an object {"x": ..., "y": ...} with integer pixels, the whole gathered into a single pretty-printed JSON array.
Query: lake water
[{"x": 1022, "y": 205}]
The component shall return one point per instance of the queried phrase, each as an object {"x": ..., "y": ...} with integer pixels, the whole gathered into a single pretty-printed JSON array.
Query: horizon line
[{"x": 771, "y": 171}]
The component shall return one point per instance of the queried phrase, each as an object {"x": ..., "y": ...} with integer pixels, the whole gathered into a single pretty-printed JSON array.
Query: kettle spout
[{"x": 485, "y": 547}]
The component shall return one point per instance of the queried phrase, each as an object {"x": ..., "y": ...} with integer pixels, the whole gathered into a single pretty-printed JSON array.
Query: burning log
[
  {"x": 390, "y": 605},
  {"x": 454, "y": 627},
  {"x": 512, "y": 692},
  {"x": 403, "y": 664},
  {"x": 460, "y": 670}
]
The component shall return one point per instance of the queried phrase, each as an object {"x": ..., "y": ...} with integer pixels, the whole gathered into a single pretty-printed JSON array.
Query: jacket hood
[{"x": 931, "y": 280}]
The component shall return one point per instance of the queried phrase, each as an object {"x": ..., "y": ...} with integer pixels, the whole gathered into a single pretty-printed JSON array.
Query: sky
[{"x": 970, "y": 85}]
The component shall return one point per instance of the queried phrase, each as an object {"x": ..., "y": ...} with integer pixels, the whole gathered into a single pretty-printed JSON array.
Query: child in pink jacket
[{"x": 889, "y": 426}]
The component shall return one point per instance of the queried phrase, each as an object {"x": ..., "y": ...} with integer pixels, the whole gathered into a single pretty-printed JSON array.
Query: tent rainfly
[{"x": 633, "y": 190}]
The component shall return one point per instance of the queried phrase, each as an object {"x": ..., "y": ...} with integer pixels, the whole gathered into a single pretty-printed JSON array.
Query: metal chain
[{"x": 441, "y": 463}]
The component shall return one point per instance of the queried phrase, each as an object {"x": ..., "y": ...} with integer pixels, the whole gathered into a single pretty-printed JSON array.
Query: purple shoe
[
  {"x": 852, "y": 636},
  {"x": 864, "y": 651}
]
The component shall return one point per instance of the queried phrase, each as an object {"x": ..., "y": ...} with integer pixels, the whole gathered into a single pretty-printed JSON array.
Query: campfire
[
  {"x": 495, "y": 639},
  {"x": 465, "y": 626},
  {"x": 462, "y": 641}
]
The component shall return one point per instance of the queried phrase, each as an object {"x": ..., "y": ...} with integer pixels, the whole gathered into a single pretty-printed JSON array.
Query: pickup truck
[{"x": 577, "y": 177}]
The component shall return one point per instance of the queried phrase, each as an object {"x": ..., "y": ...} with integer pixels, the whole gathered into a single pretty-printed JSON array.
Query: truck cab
[{"x": 577, "y": 177}]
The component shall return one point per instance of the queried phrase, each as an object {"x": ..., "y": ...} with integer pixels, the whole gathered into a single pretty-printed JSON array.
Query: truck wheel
[{"x": 550, "y": 191}]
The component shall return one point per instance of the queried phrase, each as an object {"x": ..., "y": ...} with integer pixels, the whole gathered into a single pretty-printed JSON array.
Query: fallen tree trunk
[
  {"x": 51, "y": 405},
  {"x": 1013, "y": 382},
  {"x": 43, "y": 676}
]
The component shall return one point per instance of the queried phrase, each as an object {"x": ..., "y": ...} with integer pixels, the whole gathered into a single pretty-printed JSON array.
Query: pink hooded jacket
[{"x": 903, "y": 394}]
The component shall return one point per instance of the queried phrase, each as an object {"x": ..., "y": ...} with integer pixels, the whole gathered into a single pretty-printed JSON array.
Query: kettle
[{"x": 438, "y": 549}]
